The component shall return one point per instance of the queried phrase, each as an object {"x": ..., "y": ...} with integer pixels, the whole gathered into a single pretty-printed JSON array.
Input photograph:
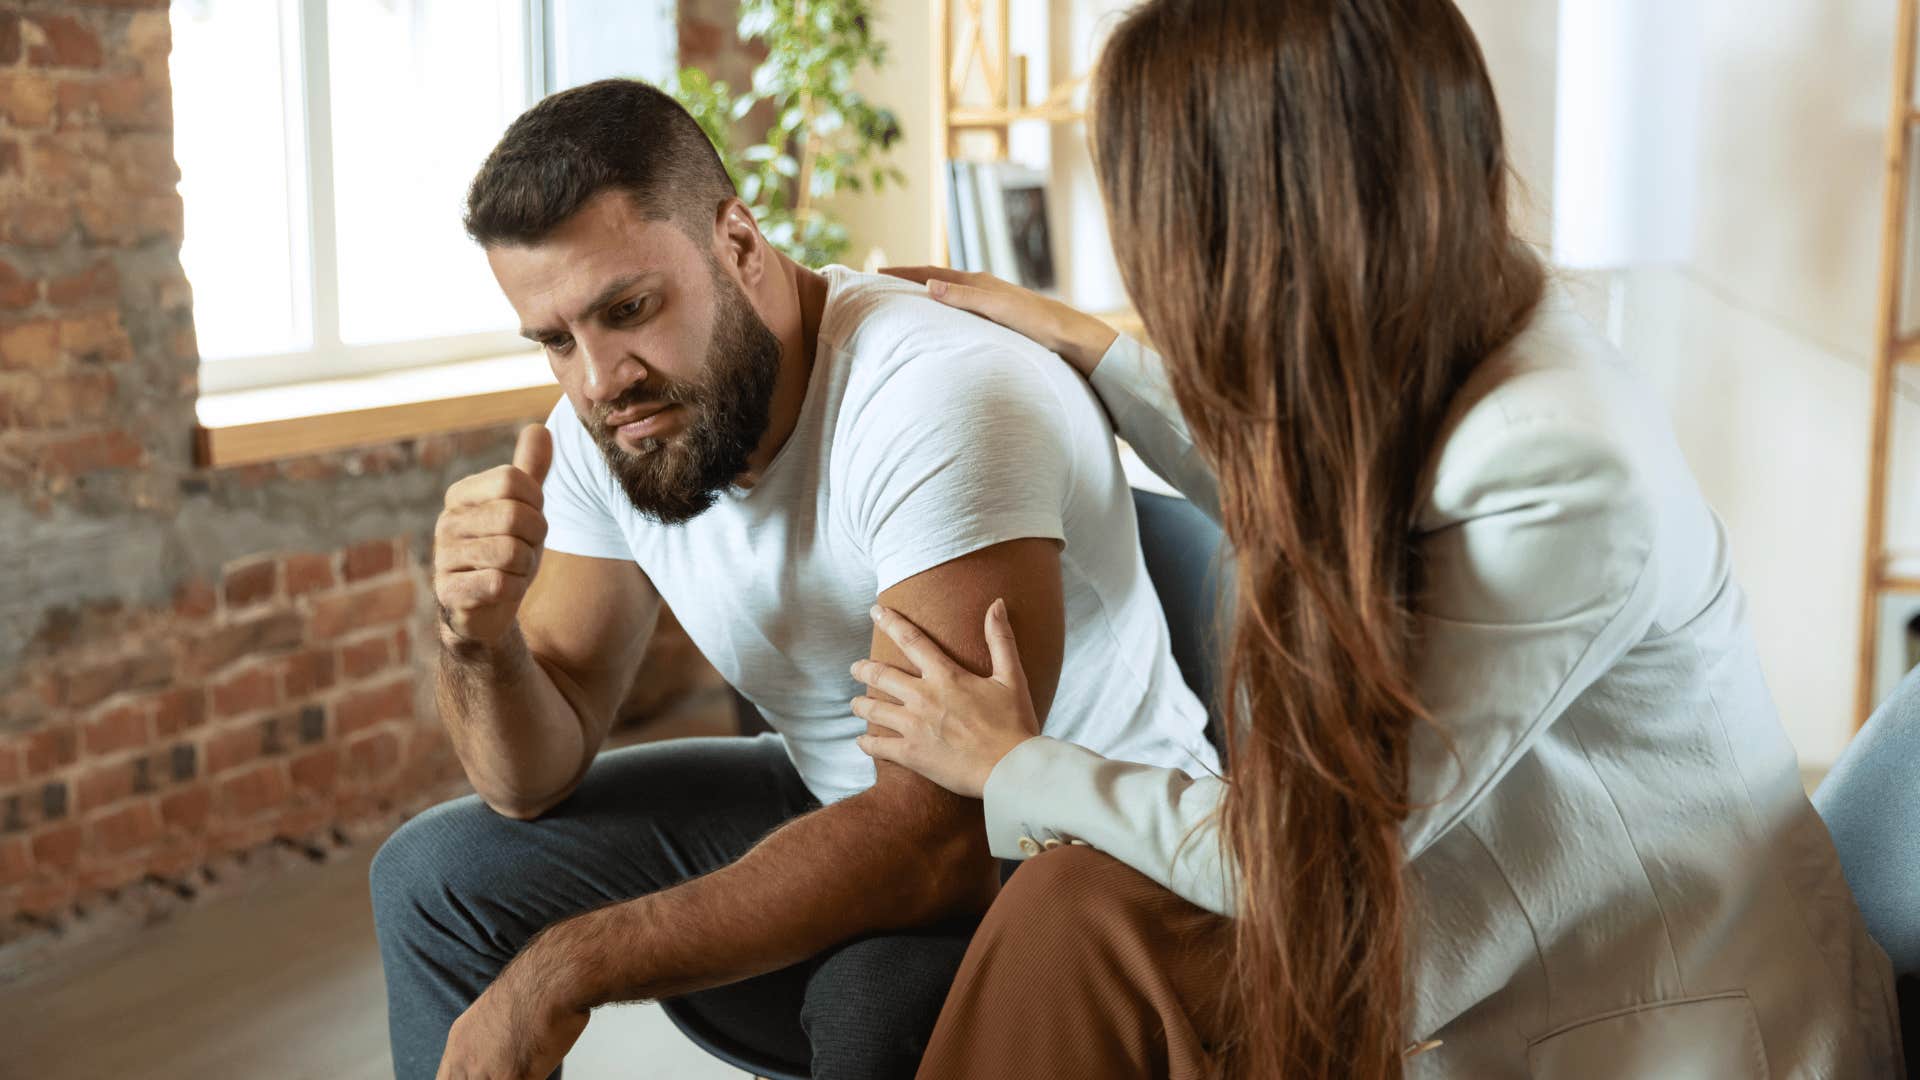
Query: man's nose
[{"x": 608, "y": 371}]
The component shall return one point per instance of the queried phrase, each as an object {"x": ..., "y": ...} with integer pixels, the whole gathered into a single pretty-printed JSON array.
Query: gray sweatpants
[{"x": 458, "y": 889}]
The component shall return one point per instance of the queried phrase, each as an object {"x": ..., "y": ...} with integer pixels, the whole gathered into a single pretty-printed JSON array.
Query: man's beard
[{"x": 674, "y": 480}]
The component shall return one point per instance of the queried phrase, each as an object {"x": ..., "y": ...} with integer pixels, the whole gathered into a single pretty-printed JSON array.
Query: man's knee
[
  {"x": 871, "y": 1006},
  {"x": 431, "y": 865}
]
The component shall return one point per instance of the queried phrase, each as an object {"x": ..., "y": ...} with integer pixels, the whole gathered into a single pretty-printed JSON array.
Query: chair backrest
[
  {"x": 1183, "y": 552},
  {"x": 1871, "y": 804}
]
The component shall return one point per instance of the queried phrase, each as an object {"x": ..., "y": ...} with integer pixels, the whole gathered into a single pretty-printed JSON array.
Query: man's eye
[
  {"x": 629, "y": 309},
  {"x": 558, "y": 344}
]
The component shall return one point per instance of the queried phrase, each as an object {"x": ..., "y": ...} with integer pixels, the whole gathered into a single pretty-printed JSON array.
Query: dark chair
[
  {"x": 1871, "y": 804},
  {"x": 1180, "y": 546}
]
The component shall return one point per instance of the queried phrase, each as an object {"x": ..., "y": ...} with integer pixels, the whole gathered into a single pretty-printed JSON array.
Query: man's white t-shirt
[{"x": 926, "y": 434}]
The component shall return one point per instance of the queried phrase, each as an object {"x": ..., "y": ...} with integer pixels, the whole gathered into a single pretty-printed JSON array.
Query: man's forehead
[{"x": 606, "y": 241}]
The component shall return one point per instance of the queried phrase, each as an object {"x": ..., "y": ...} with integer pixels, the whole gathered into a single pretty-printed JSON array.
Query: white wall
[{"x": 1760, "y": 344}]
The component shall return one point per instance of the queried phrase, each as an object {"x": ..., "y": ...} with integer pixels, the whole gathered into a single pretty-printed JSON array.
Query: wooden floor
[
  {"x": 282, "y": 982},
  {"x": 279, "y": 979}
]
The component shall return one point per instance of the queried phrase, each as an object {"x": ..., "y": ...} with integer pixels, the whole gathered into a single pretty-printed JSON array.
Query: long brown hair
[{"x": 1308, "y": 199}]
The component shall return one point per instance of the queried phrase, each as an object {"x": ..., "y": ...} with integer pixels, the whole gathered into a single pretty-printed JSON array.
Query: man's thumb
[{"x": 534, "y": 452}]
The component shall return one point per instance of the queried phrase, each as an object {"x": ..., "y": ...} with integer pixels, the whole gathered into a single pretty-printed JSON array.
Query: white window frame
[{"x": 314, "y": 249}]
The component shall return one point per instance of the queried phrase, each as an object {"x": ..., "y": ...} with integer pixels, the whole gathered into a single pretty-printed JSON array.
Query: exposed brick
[
  {"x": 16, "y": 289},
  {"x": 147, "y": 771},
  {"x": 103, "y": 785},
  {"x": 222, "y": 645},
  {"x": 84, "y": 686},
  {"x": 250, "y": 691},
  {"x": 9, "y": 37},
  {"x": 96, "y": 336},
  {"x": 53, "y": 801},
  {"x": 403, "y": 645},
  {"x": 334, "y": 616},
  {"x": 45, "y": 897},
  {"x": 150, "y": 671},
  {"x": 97, "y": 283},
  {"x": 27, "y": 98},
  {"x": 11, "y": 167},
  {"x": 51, "y": 748},
  {"x": 255, "y": 790},
  {"x": 13, "y": 814},
  {"x": 316, "y": 769},
  {"x": 72, "y": 398},
  {"x": 364, "y": 657},
  {"x": 101, "y": 875},
  {"x": 30, "y": 346},
  {"x": 180, "y": 761},
  {"x": 34, "y": 222},
  {"x": 132, "y": 826},
  {"x": 62, "y": 41},
  {"x": 313, "y": 724},
  {"x": 179, "y": 710},
  {"x": 116, "y": 102},
  {"x": 250, "y": 582},
  {"x": 123, "y": 727},
  {"x": 186, "y": 809},
  {"x": 307, "y": 673},
  {"x": 372, "y": 755},
  {"x": 9, "y": 766},
  {"x": 93, "y": 453},
  {"x": 236, "y": 746},
  {"x": 371, "y": 559},
  {"x": 194, "y": 599},
  {"x": 277, "y": 733},
  {"x": 57, "y": 846},
  {"x": 16, "y": 860},
  {"x": 306, "y": 573},
  {"x": 356, "y": 711}
]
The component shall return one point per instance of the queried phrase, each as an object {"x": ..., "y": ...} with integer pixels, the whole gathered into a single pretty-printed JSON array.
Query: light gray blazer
[{"x": 1618, "y": 873}]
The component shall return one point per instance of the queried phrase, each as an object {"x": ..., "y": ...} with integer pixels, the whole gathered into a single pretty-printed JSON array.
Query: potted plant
[{"x": 822, "y": 137}]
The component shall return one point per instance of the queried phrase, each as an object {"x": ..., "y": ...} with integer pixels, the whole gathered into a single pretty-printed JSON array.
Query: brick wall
[{"x": 194, "y": 664}]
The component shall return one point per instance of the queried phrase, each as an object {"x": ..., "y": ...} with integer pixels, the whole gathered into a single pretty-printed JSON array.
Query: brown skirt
[{"x": 1084, "y": 967}]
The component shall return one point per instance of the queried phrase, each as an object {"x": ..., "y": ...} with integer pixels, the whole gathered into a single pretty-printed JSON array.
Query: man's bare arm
[
  {"x": 903, "y": 853},
  {"x": 537, "y": 649}
]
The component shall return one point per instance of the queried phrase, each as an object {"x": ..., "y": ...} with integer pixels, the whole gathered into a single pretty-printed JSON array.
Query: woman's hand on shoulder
[{"x": 1079, "y": 338}]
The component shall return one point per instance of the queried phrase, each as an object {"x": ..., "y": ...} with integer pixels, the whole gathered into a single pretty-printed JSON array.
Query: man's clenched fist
[{"x": 487, "y": 543}]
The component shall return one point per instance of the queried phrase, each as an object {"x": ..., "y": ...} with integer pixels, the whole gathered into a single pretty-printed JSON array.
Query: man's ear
[{"x": 737, "y": 242}]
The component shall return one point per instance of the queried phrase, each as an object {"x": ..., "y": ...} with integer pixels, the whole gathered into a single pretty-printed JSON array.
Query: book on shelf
[{"x": 997, "y": 222}]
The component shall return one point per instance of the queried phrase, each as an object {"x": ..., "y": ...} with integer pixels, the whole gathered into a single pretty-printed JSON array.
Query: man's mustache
[{"x": 645, "y": 393}]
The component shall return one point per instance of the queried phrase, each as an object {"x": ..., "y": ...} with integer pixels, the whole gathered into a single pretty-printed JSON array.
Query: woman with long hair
[{"x": 1505, "y": 792}]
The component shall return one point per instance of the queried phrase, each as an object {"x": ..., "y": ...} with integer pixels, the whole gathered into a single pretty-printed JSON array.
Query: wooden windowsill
[{"x": 249, "y": 426}]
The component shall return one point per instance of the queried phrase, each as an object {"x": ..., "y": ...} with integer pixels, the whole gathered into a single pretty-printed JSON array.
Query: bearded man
[{"x": 776, "y": 454}]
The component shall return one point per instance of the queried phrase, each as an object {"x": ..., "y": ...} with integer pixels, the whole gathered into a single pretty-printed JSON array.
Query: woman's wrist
[{"x": 1082, "y": 339}]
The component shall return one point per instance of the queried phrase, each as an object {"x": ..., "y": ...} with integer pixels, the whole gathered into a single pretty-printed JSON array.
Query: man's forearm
[
  {"x": 869, "y": 863},
  {"x": 518, "y": 737}
]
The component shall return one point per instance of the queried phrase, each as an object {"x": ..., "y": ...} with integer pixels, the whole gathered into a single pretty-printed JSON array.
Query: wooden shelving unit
[
  {"x": 1884, "y": 571},
  {"x": 978, "y": 91}
]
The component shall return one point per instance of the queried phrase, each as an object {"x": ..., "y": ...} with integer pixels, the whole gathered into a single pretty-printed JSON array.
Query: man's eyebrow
[{"x": 605, "y": 297}]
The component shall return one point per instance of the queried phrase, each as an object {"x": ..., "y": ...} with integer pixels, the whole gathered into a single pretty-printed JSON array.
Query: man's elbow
[{"x": 956, "y": 872}]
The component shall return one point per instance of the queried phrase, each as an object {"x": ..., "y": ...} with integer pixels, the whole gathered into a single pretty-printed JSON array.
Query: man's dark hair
[{"x": 612, "y": 134}]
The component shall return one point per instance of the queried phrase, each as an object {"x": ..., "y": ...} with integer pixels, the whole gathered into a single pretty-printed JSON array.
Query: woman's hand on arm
[
  {"x": 952, "y": 726},
  {"x": 1079, "y": 338}
]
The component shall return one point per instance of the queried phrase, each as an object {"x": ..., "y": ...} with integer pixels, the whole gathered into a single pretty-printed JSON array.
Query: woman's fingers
[
  {"x": 920, "y": 275},
  {"x": 921, "y": 649},
  {"x": 1004, "y": 650},
  {"x": 881, "y": 748},
  {"x": 901, "y": 722},
  {"x": 887, "y": 679}
]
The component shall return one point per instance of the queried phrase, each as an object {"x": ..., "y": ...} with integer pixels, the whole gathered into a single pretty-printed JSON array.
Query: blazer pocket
[{"x": 1713, "y": 1037}]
